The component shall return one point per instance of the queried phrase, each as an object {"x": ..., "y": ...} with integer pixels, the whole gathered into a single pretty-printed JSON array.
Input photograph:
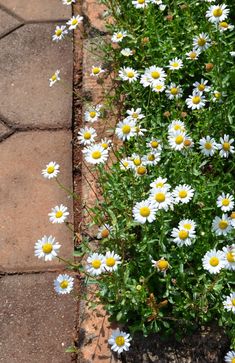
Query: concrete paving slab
[
  {"x": 26, "y": 197},
  {"x": 28, "y": 58},
  {"x": 36, "y": 324},
  {"x": 7, "y": 22},
  {"x": 38, "y": 10}
]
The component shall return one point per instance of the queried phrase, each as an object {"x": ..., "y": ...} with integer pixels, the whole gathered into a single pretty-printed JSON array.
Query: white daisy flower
[
  {"x": 225, "y": 146},
  {"x": 93, "y": 114},
  {"x": 230, "y": 357},
  {"x": 96, "y": 71},
  {"x": 188, "y": 142},
  {"x": 175, "y": 64},
  {"x": 221, "y": 225},
  {"x": 201, "y": 42},
  {"x": 217, "y": 13},
  {"x": 140, "y": 4},
  {"x": 119, "y": 341},
  {"x": 155, "y": 144},
  {"x": 176, "y": 125},
  {"x": 136, "y": 160},
  {"x": 127, "y": 52},
  {"x": 213, "y": 261},
  {"x": 161, "y": 265},
  {"x": 128, "y": 74},
  {"x": 125, "y": 164},
  {"x": 160, "y": 183},
  {"x": 229, "y": 257},
  {"x": 176, "y": 140},
  {"x": 174, "y": 92},
  {"x": 106, "y": 144},
  {"x": 60, "y": 32},
  {"x": 158, "y": 87},
  {"x": 51, "y": 171},
  {"x": 74, "y": 21},
  {"x": 196, "y": 101},
  {"x": 229, "y": 304},
  {"x": 162, "y": 198},
  {"x": 145, "y": 211},
  {"x": 140, "y": 131},
  {"x": 46, "y": 248},
  {"x": 135, "y": 114},
  {"x": 126, "y": 129},
  {"x": 208, "y": 146},
  {"x": 140, "y": 170},
  {"x": 86, "y": 135},
  {"x": 104, "y": 231},
  {"x": 189, "y": 225},
  {"x": 95, "y": 154},
  {"x": 225, "y": 202},
  {"x": 181, "y": 237},
  {"x": 183, "y": 193},
  {"x": 152, "y": 158},
  {"x": 193, "y": 54},
  {"x": 223, "y": 26},
  {"x": 54, "y": 78},
  {"x": 153, "y": 75},
  {"x": 95, "y": 264},
  {"x": 63, "y": 284},
  {"x": 58, "y": 214},
  {"x": 111, "y": 261},
  {"x": 202, "y": 86},
  {"x": 68, "y": 2},
  {"x": 118, "y": 36},
  {"x": 218, "y": 96},
  {"x": 232, "y": 218}
]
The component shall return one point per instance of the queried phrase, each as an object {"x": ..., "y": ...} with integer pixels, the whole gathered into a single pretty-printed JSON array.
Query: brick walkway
[{"x": 35, "y": 128}]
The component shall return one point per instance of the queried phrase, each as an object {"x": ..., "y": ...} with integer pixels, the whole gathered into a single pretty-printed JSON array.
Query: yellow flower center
[
  {"x": 217, "y": 95},
  {"x": 226, "y": 146},
  {"x": 53, "y": 78},
  {"x": 120, "y": 341},
  {"x": 155, "y": 74},
  {"x": 50, "y": 169},
  {"x": 162, "y": 265},
  {"x": 196, "y": 100},
  {"x": 74, "y": 21},
  {"x": 135, "y": 115},
  {"x": 187, "y": 226},
  {"x": 193, "y": 55},
  {"x": 64, "y": 284},
  {"x": 183, "y": 193},
  {"x": 233, "y": 303},
  {"x": 154, "y": 144},
  {"x": 160, "y": 197},
  {"x": 174, "y": 91},
  {"x": 59, "y": 214},
  {"x": 223, "y": 224},
  {"x": 87, "y": 135},
  {"x": 214, "y": 261},
  {"x": 104, "y": 233},
  {"x": 130, "y": 74},
  {"x": 233, "y": 360},
  {"x": 92, "y": 114},
  {"x": 125, "y": 163},
  {"x": 158, "y": 87},
  {"x": 96, "y": 155},
  {"x": 58, "y": 32},
  {"x": 232, "y": 215},
  {"x": 225, "y": 202},
  {"x": 126, "y": 129},
  {"x": 96, "y": 70},
  {"x": 119, "y": 35},
  {"x": 230, "y": 257},
  {"x": 110, "y": 261},
  {"x": 141, "y": 170},
  {"x": 159, "y": 185},
  {"x": 183, "y": 234},
  {"x": 137, "y": 162},
  {"x": 175, "y": 65},
  {"x": 217, "y": 12},
  {"x": 177, "y": 127},
  {"x": 187, "y": 142},
  {"x": 144, "y": 211},
  {"x": 223, "y": 24},
  {"x": 201, "y": 42},
  {"x": 179, "y": 139},
  {"x": 208, "y": 145},
  {"x": 47, "y": 248},
  {"x": 201, "y": 87},
  {"x": 151, "y": 157},
  {"x": 96, "y": 264},
  {"x": 104, "y": 145}
]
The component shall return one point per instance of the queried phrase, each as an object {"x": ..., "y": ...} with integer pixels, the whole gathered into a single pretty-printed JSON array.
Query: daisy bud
[
  {"x": 209, "y": 66},
  {"x": 145, "y": 40},
  {"x": 169, "y": 17},
  {"x": 166, "y": 114},
  {"x": 183, "y": 6},
  {"x": 184, "y": 114}
]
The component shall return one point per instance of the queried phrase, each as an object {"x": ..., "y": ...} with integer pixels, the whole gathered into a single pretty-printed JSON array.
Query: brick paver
[{"x": 35, "y": 128}]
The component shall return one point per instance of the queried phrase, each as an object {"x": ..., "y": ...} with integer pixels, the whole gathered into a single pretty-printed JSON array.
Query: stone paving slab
[
  {"x": 37, "y": 325},
  {"x": 28, "y": 58},
  {"x": 94, "y": 11},
  {"x": 7, "y": 23},
  {"x": 26, "y": 197},
  {"x": 38, "y": 10}
]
